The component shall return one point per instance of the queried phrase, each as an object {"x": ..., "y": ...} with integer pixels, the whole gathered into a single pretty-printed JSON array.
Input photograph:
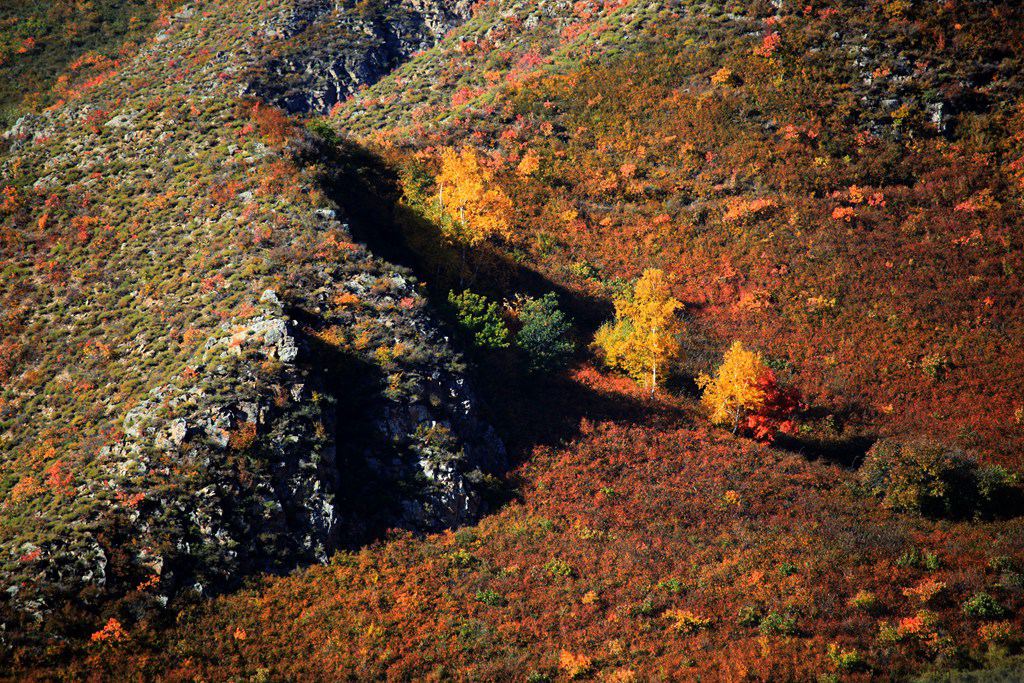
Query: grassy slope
[
  {"x": 901, "y": 315},
  {"x": 624, "y": 512},
  {"x": 142, "y": 221},
  {"x": 39, "y": 40},
  {"x": 118, "y": 266},
  {"x": 642, "y": 514}
]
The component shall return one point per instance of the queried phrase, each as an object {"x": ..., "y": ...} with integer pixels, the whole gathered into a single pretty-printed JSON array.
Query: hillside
[
  {"x": 295, "y": 340},
  {"x": 45, "y": 46},
  {"x": 836, "y": 186},
  {"x": 202, "y": 372}
]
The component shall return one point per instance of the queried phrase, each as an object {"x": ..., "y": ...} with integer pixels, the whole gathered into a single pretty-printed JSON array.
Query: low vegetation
[
  {"x": 933, "y": 480},
  {"x": 740, "y": 286}
]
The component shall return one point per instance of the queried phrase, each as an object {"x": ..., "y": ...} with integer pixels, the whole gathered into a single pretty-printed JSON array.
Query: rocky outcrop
[
  {"x": 279, "y": 448},
  {"x": 227, "y": 433},
  {"x": 334, "y": 48}
]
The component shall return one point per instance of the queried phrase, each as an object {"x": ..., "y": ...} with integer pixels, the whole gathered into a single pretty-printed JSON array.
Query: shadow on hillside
[
  {"x": 369, "y": 192},
  {"x": 847, "y": 453},
  {"x": 366, "y": 497},
  {"x": 837, "y": 437},
  {"x": 526, "y": 409}
]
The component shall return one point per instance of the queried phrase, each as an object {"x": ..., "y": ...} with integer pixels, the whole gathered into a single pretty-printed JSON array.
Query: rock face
[
  {"x": 288, "y": 470},
  {"x": 333, "y": 48},
  {"x": 280, "y": 448},
  {"x": 304, "y": 398}
]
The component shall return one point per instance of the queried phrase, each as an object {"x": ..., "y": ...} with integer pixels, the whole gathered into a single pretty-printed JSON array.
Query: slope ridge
[
  {"x": 838, "y": 185},
  {"x": 203, "y": 375}
]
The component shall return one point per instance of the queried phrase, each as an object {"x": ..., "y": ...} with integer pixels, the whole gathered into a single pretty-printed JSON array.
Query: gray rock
[{"x": 336, "y": 52}]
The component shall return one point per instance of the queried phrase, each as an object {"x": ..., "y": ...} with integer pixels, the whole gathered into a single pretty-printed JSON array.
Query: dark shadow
[
  {"x": 526, "y": 409},
  {"x": 847, "y": 453},
  {"x": 369, "y": 192},
  {"x": 683, "y": 385},
  {"x": 531, "y": 410},
  {"x": 366, "y": 498}
]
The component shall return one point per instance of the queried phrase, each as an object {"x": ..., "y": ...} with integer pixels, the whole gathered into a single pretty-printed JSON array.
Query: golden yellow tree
[
  {"x": 529, "y": 164},
  {"x": 644, "y": 337},
  {"x": 734, "y": 390},
  {"x": 475, "y": 207}
]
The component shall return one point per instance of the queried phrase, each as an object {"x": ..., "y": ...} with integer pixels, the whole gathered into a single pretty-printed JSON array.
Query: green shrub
[
  {"x": 323, "y": 130},
  {"x": 480, "y": 319},
  {"x": 776, "y": 623},
  {"x": 845, "y": 660},
  {"x": 672, "y": 585},
  {"x": 466, "y": 537},
  {"x": 916, "y": 559},
  {"x": 462, "y": 559},
  {"x": 983, "y": 606},
  {"x": 491, "y": 598},
  {"x": 935, "y": 481},
  {"x": 558, "y": 568},
  {"x": 1002, "y": 563},
  {"x": 865, "y": 600},
  {"x": 545, "y": 334},
  {"x": 646, "y": 608}
]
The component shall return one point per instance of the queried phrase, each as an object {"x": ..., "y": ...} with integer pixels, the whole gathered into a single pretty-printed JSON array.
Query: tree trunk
[{"x": 654, "y": 360}]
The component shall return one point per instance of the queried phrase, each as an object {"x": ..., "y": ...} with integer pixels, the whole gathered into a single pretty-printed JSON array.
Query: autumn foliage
[
  {"x": 473, "y": 206},
  {"x": 855, "y": 219},
  {"x": 745, "y": 394},
  {"x": 643, "y": 340},
  {"x": 632, "y": 547}
]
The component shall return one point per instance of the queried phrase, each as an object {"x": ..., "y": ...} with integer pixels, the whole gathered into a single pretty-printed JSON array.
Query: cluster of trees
[
  {"x": 745, "y": 393},
  {"x": 935, "y": 480},
  {"x": 644, "y": 341},
  {"x": 620, "y": 144},
  {"x": 544, "y": 332}
]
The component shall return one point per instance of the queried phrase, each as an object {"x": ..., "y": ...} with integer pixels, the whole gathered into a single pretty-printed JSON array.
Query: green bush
[
  {"x": 845, "y": 660},
  {"x": 480, "y": 319},
  {"x": 866, "y": 601},
  {"x": 935, "y": 481},
  {"x": 559, "y": 568},
  {"x": 490, "y": 598},
  {"x": 917, "y": 559},
  {"x": 983, "y": 606},
  {"x": 462, "y": 559},
  {"x": 776, "y": 623},
  {"x": 545, "y": 335}
]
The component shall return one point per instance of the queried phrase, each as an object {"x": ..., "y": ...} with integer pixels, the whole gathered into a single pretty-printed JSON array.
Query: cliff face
[
  {"x": 204, "y": 376},
  {"x": 328, "y": 50}
]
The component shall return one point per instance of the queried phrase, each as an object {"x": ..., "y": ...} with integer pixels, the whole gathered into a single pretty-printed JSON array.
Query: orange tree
[{"x": 473, "y": 208}]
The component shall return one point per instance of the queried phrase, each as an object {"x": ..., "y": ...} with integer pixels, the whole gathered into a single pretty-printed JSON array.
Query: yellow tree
[
  {"x": 644, "y": 337},
  {"x": 529, "y": 164},
  {"x": 475, "y": 207},
  {"x": 734, "y": 390}
]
